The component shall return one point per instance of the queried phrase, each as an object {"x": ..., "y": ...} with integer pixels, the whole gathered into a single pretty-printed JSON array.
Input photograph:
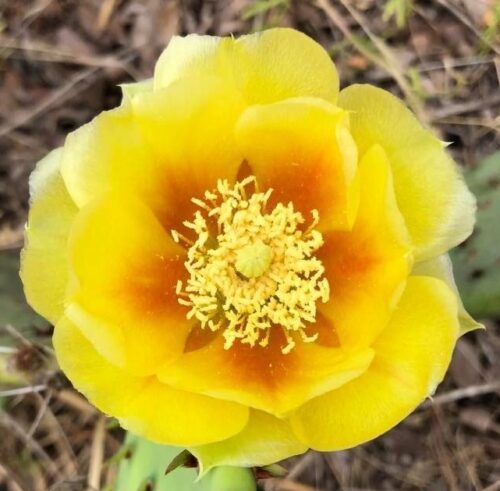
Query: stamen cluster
[{"x": 251, "y": 270}]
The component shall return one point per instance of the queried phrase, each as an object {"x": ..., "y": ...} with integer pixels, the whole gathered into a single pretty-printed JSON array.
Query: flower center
[
  {"x": 252, "y": 269},
  {"x": 254, "y": 259}
]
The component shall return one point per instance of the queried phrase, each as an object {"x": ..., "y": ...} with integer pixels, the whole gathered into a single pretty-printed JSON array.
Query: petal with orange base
[
  {"x": 126, "y": 268},
  {"x": 412, "y": 356},
  {"x": 265, "y": 378},
  {"x": 142, "y": 404},
  {"x": 302, "y": 149},
  {"x": 367, "y": 267},
  {"x": 189, "y": 129},
  {"x": 264, "y": 67},
  {"x": 164, "y": 147}
]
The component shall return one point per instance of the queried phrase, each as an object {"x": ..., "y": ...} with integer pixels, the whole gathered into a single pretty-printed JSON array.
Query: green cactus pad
[
  {"x": 143, "y": 465},
  {"x": 477, "y": 261}
]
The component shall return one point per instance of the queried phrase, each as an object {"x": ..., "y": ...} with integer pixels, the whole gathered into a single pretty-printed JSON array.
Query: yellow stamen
[{"x": 259, "y": 271}]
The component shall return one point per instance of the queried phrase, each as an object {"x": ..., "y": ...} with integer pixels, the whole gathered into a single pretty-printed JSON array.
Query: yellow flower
[{"x": 243, "y": 261}]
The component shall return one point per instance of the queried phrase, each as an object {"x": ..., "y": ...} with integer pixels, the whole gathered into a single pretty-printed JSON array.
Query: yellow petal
[
  {"x": 129, "y": 90},
  {"x": 265, "y": 67},
  {"x": 264, "y": 377},
  {"x": 431, "y": 193},
  {"x": 367, "y": 266},
  {"x": 302, "y": 149},
  {"x": 127, "y": 267},
  {"x": 265, "y": 440},
  {"x": 44, "y": 258},
  {"x": 412, "y": 356},
  {"x": 142, "y": 404},
  {"x": 188, "y": 128},
  {"x": 442, "y": 268},
  {"x": 164, "y": 147},
  {"x": 105, "y": 154}
]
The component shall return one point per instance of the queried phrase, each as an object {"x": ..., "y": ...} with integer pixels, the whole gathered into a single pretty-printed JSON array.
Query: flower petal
[
  {"x": 142, "y": 404},
  {"x": 188, "y": 128},
  {"x": 129, "y": 90},
  {"x": 431, "y": 194},
  {"x": 265, "y": 66},
  {"x": 124, "y": 300},
  {"x": 302, "y": 149},
  {"x": 164, "y": 147},
  {"x": 44, "y": 258},
  {"x": 412, "y": 356},
  {"x": 265, "y": 440},
  {"x": 265, "y": 378},
  {"x": 367, "y": 267},
  {"x": 441, "y": 267},
  {"x": 107, "y": 153}
]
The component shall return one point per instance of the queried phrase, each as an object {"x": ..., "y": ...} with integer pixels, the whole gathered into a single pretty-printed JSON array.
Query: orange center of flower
[{"x": 251, "y": 269}]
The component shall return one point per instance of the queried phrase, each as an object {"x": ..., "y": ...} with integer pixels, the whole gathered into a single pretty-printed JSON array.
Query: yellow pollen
[{"x": 252, "y": 270}]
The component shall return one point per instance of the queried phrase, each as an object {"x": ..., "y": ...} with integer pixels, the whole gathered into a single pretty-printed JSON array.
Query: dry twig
[
  {"x": 97, "y": 455},
  {"x": 463, "y": 393}
]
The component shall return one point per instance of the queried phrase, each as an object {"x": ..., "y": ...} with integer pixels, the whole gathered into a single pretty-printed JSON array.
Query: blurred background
[{"x": 60, "y": 63}]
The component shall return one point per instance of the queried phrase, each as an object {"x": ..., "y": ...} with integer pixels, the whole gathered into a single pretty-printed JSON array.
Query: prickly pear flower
[{"x": 243, "y": 261}]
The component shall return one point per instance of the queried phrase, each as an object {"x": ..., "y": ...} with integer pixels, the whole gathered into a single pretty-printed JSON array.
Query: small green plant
[
  {"x": 417, "y": 84},
  {"x": 259, "y": 7},
  {"x": 399, "y": 9},
  {"x": 492, "y": 30}
]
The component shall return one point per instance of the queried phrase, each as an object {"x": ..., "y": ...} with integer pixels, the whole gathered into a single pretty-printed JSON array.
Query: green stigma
[{"x": 254, "y": 259}]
